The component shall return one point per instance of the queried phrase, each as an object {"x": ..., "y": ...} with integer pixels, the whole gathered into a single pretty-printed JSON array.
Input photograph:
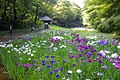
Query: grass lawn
[
  {"x": 55, "y": 27},
  {"x": 86, "y": 32}
]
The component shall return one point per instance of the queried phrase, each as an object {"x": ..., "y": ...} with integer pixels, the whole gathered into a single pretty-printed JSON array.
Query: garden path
[{"x": 3, "y": 75}]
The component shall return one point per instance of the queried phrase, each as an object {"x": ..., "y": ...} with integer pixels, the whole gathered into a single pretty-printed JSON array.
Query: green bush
[{"x": 111, "y": 25}]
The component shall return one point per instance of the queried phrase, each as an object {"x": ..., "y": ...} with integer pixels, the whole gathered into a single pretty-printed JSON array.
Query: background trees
[
  {"x": 104, "y": 15},
  {"x": 67, "y": 14},
  {"x": 26, "y": 13}
]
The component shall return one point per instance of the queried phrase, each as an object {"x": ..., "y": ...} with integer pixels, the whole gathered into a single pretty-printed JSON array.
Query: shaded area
[
  {"x": 103, "y": 15},
  {"x": 24, "y": 14},
  {"x": 118, "y": 39},
  {"x": 5, "y": 36},
  {"x": 3, "y": 75}
]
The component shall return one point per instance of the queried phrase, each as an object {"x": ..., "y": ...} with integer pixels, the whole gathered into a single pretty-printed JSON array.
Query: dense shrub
[
  {"x": 104, "y": 15},
  {"x": 112, "y": 24}
]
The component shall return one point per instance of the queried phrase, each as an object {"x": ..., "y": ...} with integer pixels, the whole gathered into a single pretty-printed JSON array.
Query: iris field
[{"x": 61, "y": 55}]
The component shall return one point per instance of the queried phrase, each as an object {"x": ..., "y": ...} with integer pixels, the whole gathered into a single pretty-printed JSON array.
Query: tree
[
  {"x": 103, "y": 14},
  {"x": 67, "y": 14}
]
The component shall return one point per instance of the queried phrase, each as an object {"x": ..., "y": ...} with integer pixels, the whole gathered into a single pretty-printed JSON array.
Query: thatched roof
[{"x": 46, "y": 18}]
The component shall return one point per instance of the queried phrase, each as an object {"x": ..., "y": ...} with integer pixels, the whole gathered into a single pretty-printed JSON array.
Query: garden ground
[{"x": 5, "y": 37}]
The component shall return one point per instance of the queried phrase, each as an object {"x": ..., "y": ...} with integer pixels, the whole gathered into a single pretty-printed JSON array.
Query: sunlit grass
[
  {"x": 85, "y": 32},
  {"x": 97, "y": 33},
  {"x": 55, "y": 27}
]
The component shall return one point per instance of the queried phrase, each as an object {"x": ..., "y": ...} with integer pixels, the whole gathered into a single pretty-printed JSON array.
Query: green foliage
[
  {"x": 112, "y": 24},
  {"x": 67, "y": 14},
  {"x": 104, "y": 15},
  {"x": 26, "y": 13}
]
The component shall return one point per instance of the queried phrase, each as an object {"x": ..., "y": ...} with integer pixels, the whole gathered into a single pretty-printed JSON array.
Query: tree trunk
[
  {"x": 36, "y": 14},
  {"x": 4, "y": 15},
  {"x": 14, "y": 10}
]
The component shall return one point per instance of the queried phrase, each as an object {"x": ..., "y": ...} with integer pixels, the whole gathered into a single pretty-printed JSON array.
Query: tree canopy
[
  {"x": 103, "y": 15},
  {"x": 25, "y": 13}
]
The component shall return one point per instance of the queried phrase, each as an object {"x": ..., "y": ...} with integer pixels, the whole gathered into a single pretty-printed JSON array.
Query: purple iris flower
[
  {"x": 103, "y": 57},
  {"x": 79, "y": 55},
  {"x": 55, "y": 70},
  {"x": 78, "y": 39},
  {"x": 43, "y": 64},
  {"x": 72, "y": 56},
  {"x": 73, "y": 65},
  {"x": 92, "y": 50},
  {"x": 84, "y": 40},
  {"x": 17, "y": 64},
  {"x": 100, "y": 74},
  {"x": 75, "y": 35},
  {"x": 51, "y": 72},
  {"x": 63, "y": 42},
  {"x": 35, "y": 61},
  {"x": 104, "y": 42},
  {"x": 117, "y": 66},
  {"x": 64, "y": 61},
  {"x": 35, "y": 64},
  {"x": 52, "y": 56},
  {"x": 74, "y": 42},
  {"x": 52, "y": 61},
  {"x": 48, "y": 66},
  {"x": 38, "y": 68},
  {"x": 89, "y": 60},
  {"x": 104, "y": 66},
  {"x": 57, "y": 40},
  {"x": 79, "y": 63},
  {"x": 61, "y": 68},
  {"x": 99, "y": 43},
  {"x": 100, "y": 61},
  {"x": 115, "y": 51},
  {"x": 84, "y": 52},
  {"x": 43, "y": 61},
  {"x": 88, "y": 55},
  {"x": 46, "y": 56},
  {"x": 57, "y": 75},
  {"x": 118, "y": 58},
  {"x": 85, "y": 47},
  {"x": 115, "y": 42},
  {"x": 83, "y": 59},
  {"x": 99, "y": 54},
  {"x": 26, "y": 65}
]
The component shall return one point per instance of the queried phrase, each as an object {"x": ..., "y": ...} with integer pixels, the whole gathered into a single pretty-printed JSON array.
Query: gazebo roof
[{"x": 46, "y": 18}]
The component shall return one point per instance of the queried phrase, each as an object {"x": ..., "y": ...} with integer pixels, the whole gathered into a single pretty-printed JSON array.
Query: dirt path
[
  {"x": 3, "y": 75},
  {"x": 4, "y": 38},
  {"x": 7, "y": 37}
]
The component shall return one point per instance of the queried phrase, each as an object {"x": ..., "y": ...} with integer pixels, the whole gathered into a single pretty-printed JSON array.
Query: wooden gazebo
[{"x": 46, "y": 19}]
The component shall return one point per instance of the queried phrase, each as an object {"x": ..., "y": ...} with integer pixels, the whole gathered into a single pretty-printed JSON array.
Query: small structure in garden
[
  {"x": 32, "y": 29},
  {"x": 47, "y": 20},
  {"x": 10, "y": 29}
]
